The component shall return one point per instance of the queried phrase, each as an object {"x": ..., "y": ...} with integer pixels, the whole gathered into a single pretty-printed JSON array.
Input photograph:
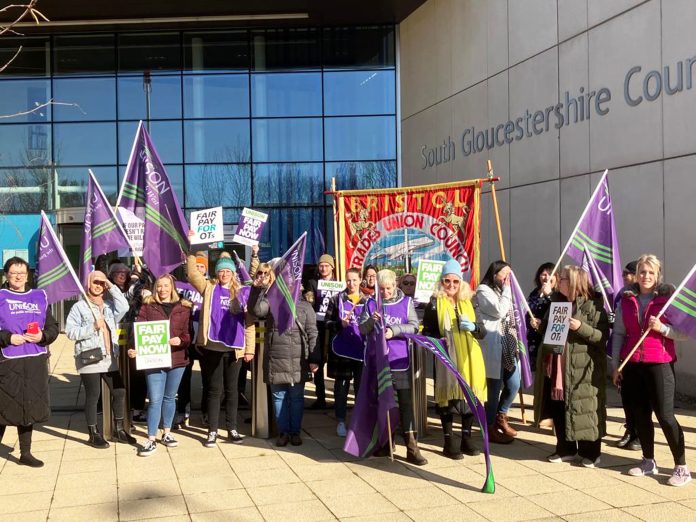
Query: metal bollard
[{"x": 262, "y": 419}]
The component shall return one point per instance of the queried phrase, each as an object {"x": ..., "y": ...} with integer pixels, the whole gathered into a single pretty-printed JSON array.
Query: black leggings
[
  {"x": 650, "y": 387},
  {"x": 184, "y": 394},
  {"x": 222, "y": 372},
  {"x": 24, "y": 435},
  {"x": 93, "y": 388}
]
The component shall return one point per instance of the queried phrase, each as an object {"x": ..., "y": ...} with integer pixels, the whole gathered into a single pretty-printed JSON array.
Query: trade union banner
[{"x": 394, "y": 228}]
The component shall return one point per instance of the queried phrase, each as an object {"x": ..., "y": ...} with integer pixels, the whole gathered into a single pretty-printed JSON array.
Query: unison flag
[
  {"x": 596, "y": 229},
  {"x": 520, "y": 311},
  {"x": 368, "y": 429},
  {"x": 147, "y": 192},
  {"x": 439, "y": 349},
  {"x": 102, "y": 232},
  {"x": 597, "y": 279},
  {"x": 681, "y": 307},
  {"x": 285, "y": 291},
  {"x": 55, "y": 275}
]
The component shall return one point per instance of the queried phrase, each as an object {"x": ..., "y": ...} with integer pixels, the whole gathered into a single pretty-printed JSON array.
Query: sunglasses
[
  {"x": 451, "y": 281},
  {"x": 261, "y": 274}
]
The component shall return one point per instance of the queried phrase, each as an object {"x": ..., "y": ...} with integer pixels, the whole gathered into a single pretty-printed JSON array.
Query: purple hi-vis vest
[
  {"x": 17, "y": 310},
  {"x": 348, "y": 341},
  {"x": 227, "y": 328},
  {"x": 187, "y": 291},
  {"x": 397, "y": 313}
]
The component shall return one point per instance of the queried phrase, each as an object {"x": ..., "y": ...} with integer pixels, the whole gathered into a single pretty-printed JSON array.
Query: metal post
[
  {"x": 147, "y": 87},
  {"x": 261, "y": 418},
  {"x": 418, "y": 392}
]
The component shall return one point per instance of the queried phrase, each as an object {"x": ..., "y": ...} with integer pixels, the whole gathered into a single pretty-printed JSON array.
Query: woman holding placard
[
  {"x": 163, "y": 383},
  {"x": 570, "y": 381},
  {"x": 648, "y": 378},
  {"x": 92, "y": 324}
]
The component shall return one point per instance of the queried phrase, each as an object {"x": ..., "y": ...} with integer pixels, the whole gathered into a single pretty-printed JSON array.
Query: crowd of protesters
[{"x": 213, "y": 316}]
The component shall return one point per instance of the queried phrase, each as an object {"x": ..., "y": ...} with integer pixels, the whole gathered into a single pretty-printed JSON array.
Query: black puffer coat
[{"x": 286, "y": 357}]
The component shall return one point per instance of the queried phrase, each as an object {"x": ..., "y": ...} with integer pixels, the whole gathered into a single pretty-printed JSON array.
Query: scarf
[
  {"x": 463, "y": 350},
  {"x": 554, "y": 363}
]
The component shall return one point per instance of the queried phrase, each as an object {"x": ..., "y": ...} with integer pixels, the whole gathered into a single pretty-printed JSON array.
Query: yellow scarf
[{"x": 464, "y": 351}]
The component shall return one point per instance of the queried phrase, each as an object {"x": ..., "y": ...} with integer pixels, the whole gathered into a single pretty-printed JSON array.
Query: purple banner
[
  {"x": 520, "y": 310},
  {"x": 681, "y": 309},
  {"x": 285, "y": 291}
]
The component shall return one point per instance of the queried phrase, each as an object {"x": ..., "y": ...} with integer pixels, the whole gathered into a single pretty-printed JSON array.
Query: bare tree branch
[
  {"x": 41, "y": 106},
  {"x": 25, "y": 10},
  {"x": 11, "y": 59}
]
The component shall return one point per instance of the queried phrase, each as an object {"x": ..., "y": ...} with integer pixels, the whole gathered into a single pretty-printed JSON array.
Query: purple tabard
[
  {"x": 397, "y": 313},
  {"x": 225, "y": 328},
  {"x": 17, "y": 310},
  {"x": 348, "y": 341}
]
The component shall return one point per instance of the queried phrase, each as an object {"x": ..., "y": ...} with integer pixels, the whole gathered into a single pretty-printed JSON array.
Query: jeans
[
  {"x": 288, "y": 406},
  {"x": 161, "y": 390},
  {"x": 341, "y": 388},
  {"x": 92, "y": 382},
  {"x": 497, "y": 402},
  {"x": 222, "y": 372}
]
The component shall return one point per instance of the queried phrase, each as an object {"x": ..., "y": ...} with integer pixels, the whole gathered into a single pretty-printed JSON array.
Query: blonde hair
[
  {"x": 578, "y": 282},
  {"x": 386, "y": 277},
  {"x": 173, "y": 297},
  {"x": 654, "y": 263},
  {"x": 271, "y": 273},
  {"x": 463, "y": 294}
]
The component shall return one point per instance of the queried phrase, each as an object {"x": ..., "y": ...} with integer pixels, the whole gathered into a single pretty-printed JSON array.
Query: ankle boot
[
  {"x": 468, "y": 447},
  {"x": 449, "y": 448},
  {"x": 413, "y": 454},
  {"x": 95, "y": 438},
  {"x": 498, "y": 437},
  {"x": 27, "y": 459},
  {"x": 2, "y": 431},
  {"x": 501, "y": 421},
  {"x": 121, "y": 435}
]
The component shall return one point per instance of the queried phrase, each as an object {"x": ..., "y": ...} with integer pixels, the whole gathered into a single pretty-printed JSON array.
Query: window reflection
[
  {"x": 217, "y": 96},
  {"x": 18, "y": 96},
  {"x": 156, "y": 52},
  {"x": 287, "y": 140},
  {"x": 83, "y": 54},
  {"x": 285, "y": 49},
  {"x": 288, "y": 183},
  {"x": 283, "y": 228},
  {"x": 359, "y": 92},
  {"x": 360, "y": 138},
  {"x": 93, "y": 99},
  {"x": 218, "y": 185},
  {"x": 357, "y": 175},
  {"x": 371, "y": 46},
  {"x": 19, "y": 201},
  {"x": 33, "y": 60},
  {"x": 85, "y": 143},
  {"x": 216, "y": 141},
  {"x": 72, "y": 184},
  {"x": 297, "y": 94},
  {"x": 25, "y": 145},
  {"x": 165, "y": 97},
  {"x": 166, "y": 135},
  {"x": 216, "y": 51}
]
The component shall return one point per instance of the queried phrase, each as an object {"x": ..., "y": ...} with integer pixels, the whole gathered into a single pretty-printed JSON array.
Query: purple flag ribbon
[
  {"x": 285, "y": 291},
  {"x": 102, "y": 231},
  {"x": 147, "y": 192},
  {"x": 520, "y": 309}
]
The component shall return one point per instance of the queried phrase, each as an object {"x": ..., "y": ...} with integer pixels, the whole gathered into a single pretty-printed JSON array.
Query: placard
[
  {"x": 330, "y": 286},
  {"x": 152, "y": 345},
  {"x": 207, "y": 227},
  {"x": 135, "y": 230},
  {"x": 250, "y": 226},
  {"x": 429, "y": 273},
  {"x": 559, "y": 324}
]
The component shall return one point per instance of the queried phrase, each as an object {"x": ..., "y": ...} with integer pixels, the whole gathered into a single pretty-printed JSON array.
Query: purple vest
[
  {"x": 397, "y": 313},
  {"x": 348, "y": 341},
  {"x": 187, "y": 291},
  {"x": 226, "y": 328},
  {"x": 17, "y": 310}
]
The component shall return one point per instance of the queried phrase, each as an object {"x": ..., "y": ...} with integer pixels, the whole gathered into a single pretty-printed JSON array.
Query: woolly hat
[
  {"x": 118, "y": 267},
  {"x": 225, "y": 263},
  {"x": 452, "y": 267},
  {"x": 326, "y": 258},
  {"x": 631, "y": 267},
  {"x": 202, "y": 260}
]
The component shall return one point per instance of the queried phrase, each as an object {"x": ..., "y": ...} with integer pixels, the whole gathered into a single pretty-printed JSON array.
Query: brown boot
[
  {"x": 498, "y": 437},
  {"x": 413, "y": 454},
  {"x": 501, "y": 421}
]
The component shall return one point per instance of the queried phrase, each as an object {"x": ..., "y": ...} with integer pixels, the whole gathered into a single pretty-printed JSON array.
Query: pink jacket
[{"x": 656, "y": 348}]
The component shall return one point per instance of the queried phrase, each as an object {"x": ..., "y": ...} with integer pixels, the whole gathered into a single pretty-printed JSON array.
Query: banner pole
[
  {"x": 389, "y": 431},
  {"x": 337, "y": 255}
]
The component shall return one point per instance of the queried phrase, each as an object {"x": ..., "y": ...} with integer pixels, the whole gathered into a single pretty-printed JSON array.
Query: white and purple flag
[
  {"x": 55, "y": 275},
  {"x": 285, "y": 291},
  {"x": 148, "y": 193},
  {"x": 102, "y": 232}
]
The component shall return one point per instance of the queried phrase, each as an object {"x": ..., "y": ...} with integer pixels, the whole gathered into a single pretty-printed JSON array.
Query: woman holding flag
[
  {"x": 648, "y": 377},
  {"x": 450, "y": 315},
  {"x": 26, "y": 329}
]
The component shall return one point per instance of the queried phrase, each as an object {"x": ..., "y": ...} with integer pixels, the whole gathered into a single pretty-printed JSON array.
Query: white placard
[
  {"x": 330, "y": 286},
  {"x": 152, "y": 345},
  {"x": 207, "y": 226},
  {"x": 559, "y": 324},
  {"x": 135, "y": 230}
]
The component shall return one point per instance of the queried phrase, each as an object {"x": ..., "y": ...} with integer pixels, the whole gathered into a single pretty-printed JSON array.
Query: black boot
[
  {"x": 121, "y": 435},
  {"x": 468, "y": 446},
  {"x": 95, "y": 438},
  {"x": 2, "y": 431},
  {"x": 25, "y": 456},
  {"x": 449, "y": 448},
  {"x": 413, "y": 454}
]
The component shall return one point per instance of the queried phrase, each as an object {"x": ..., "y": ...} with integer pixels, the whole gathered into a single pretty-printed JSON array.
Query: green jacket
[{"x": 585, "y": 372}]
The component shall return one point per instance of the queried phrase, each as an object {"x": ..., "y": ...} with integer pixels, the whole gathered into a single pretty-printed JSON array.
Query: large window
[{"x": 263, "y": 118}]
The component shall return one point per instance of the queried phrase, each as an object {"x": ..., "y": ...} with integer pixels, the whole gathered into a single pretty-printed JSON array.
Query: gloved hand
[{"x": 466, "y": 326}]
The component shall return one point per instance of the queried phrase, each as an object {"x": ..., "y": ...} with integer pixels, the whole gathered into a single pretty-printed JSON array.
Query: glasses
[
  {"x": 408, "y": 283},
  {"x": 18, "y": 274},
  {"x": 451, "y": 281},
  {"x": 262, "y": 274}
]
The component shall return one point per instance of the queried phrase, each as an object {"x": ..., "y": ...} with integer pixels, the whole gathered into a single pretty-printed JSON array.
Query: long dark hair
[
  {"x": 493, "y": 269},
  {"x": 544, "y": 267}
]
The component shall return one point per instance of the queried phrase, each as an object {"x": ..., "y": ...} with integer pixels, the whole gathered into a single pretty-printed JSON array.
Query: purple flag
[
  {"x": 520, "y": 308},
  {"x": 680, "y": 310},
  {"x": 242, "y": 272},
  {"x": 597, "y": 279},
  {"x": 285, "y": 291},
  {"x": 102, "y": 232},
  {"x": 54, "y": 273},
  {"x": 597, "y": 230},
  {"x": 439, "y": 349},
  {"x": 148, "y": 193},
  {"x": 368, "y": 430}
]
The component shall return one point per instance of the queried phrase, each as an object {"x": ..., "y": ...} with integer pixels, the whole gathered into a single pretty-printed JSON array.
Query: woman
[
  {"x": 369, "y": 280},
  {"x": 450, "y": 314},
  {"x": 347, "y": 347},
  {"x": 407, "y": 284},
  {"x": 399, "y": 314},
  {"x": 539, "y": 301},
  {"x": 648, "y": 377},
  {"x": 26, "y": 330},
  {"x": 92, "y": 324},
  {"x": 162, "y": 384},
  {"x": 499, "y": 344},
  {"x": 226, "y": 334},
  {"x": 571, "y": 380},
  {"x": 289, "y": 359}
]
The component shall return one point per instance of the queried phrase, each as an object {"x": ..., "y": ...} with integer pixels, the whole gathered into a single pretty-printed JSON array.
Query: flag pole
[
  {"x": 577, "y": 226},
  {"x": 389, "y": 431},
  {"x": 489, "y": 165},
  {"x": 659, "y": 314},
  {"x": 595, "y": 273},
  {"x": 337, "y": 254}
]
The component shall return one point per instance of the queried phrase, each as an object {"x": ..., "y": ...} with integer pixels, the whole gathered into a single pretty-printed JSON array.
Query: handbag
[{"x": 91, "y": 356}]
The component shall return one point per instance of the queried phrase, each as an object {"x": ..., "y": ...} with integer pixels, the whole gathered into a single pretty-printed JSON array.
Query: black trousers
[
  {"x": 92, "y": 382},
  {"x": 650, "y": 387},
  {"x": 138, "y": 387},
  {"x": 24, "y": 436},
  {"x": 222, "y": 372},
  {"x": 184, "y": 393},
  {"x": 585, "y": 448},
  {"x": 628, "y": 413}
]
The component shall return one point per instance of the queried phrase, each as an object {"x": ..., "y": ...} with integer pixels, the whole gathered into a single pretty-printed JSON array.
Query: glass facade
[{"x": 262, "y": 118}]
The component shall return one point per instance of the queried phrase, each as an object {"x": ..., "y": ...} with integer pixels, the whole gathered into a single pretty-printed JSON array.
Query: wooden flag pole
[
  {"x": 489, "y": 164},
  {"x": 391, "y": 447},
  {"x": 338, "y": 261}
]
